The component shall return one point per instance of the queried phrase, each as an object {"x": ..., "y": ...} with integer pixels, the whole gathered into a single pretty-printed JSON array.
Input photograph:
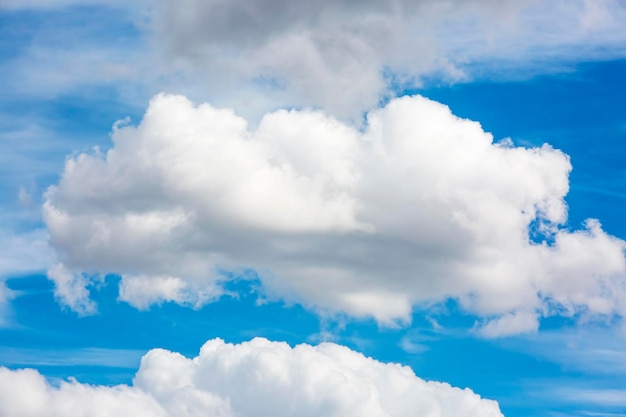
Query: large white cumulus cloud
[
  {"x": 258, "y": 378},
  {"x": 417, "y": 207}
]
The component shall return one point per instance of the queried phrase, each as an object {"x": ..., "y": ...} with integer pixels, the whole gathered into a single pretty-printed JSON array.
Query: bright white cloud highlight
[
  {"x": 418, "y": 207},
  {"x": 257, "y": 378}
]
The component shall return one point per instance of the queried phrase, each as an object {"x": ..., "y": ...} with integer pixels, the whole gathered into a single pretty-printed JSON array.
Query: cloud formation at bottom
[{"x": 257, "y": 378}]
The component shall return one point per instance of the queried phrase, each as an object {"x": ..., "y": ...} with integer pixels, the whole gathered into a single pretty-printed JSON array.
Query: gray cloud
[{"x": 342, "y": 56}]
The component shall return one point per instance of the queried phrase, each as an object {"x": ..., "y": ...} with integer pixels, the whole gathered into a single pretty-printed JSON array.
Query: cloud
[
  {"x": 23, "y": 253},
  {"x": 102, "y": 357},
  {"x": 600, "y": 397},
  {"x": 597, "y": 350},
  {"x": 510, "y": 324},
  {"x": 20, "y": 254},
  {"x": 70, "y": 289},
  {"x": 25, "y": 393},
  {"x": 143, "y": 291},
  {"x": 345, "y": 56},
  {"x": 227, "y": 380},
  {"x": 58, "y": 50},
  {"x": 415, "y": 342},
  {"x": 6, "y": 295},
  {"x": 342, "y": 56},
  {"x": 417, "y": 207}
]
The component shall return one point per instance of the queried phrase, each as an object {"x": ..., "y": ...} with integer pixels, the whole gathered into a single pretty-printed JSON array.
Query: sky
[{"x": 410, "y": 207}]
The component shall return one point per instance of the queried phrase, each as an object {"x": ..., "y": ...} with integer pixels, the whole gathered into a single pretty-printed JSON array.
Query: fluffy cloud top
[
  {"x": 258, "y": 378},
  {"x": 417, "y": 207}
]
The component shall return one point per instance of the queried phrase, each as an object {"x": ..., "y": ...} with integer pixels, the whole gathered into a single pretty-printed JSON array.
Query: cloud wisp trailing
[
  {"x": 237, "y": 380},
  {"x": 418, "y": 207}
]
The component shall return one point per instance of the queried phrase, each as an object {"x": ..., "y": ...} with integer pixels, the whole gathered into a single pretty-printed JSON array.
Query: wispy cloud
[
  {"x": 119, "y": 358},
  {"x": 594, "y": 350},
  {"x": 582, "y": 397},
  {"x": 24, "y": 252},
  {"x": 69, "y": 50},
  {"x": 608, "y": 397}
]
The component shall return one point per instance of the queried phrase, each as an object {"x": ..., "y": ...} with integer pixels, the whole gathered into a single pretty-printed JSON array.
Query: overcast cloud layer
[
  {"x": 418, "y": 207},
  {"x": 258, "y": 378}
]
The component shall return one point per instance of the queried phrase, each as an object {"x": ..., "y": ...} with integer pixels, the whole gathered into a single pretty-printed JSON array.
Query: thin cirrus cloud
[
  {"x": 227, "y": 380},
  {"x": 418, "y": 207},
  {"x": 60, "y": 49}
]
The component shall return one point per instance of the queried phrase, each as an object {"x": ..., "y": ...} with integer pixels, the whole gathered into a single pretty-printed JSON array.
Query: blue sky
[{"x": 333, "y": 190}]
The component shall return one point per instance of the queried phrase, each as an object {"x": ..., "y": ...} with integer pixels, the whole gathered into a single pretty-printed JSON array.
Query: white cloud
[
  {"x": 23, "y": 253},
  {"x": 342, "y": 56},
  {"x": 20, "y": 254},
  {"x": 49, "y": 357},
  {"x": 70, "y": 290},
  {"x": 25, "y": 393},
  {"x": 415, "y": 342},
  {"x": 6, "y": 295},
  {"x": 591, "y": 397},
  {"x": 419, "y": 207},
  {"x": 228, "y": 380},
  {"x": 143, "y": 291},
  {"x": 596, "y": 350},
  {"x": 607, "y": 397},
  {"x": 339, "y": 54},
  {"x": 510, "y": 324},
  {"x": 73, "y": 52}
]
